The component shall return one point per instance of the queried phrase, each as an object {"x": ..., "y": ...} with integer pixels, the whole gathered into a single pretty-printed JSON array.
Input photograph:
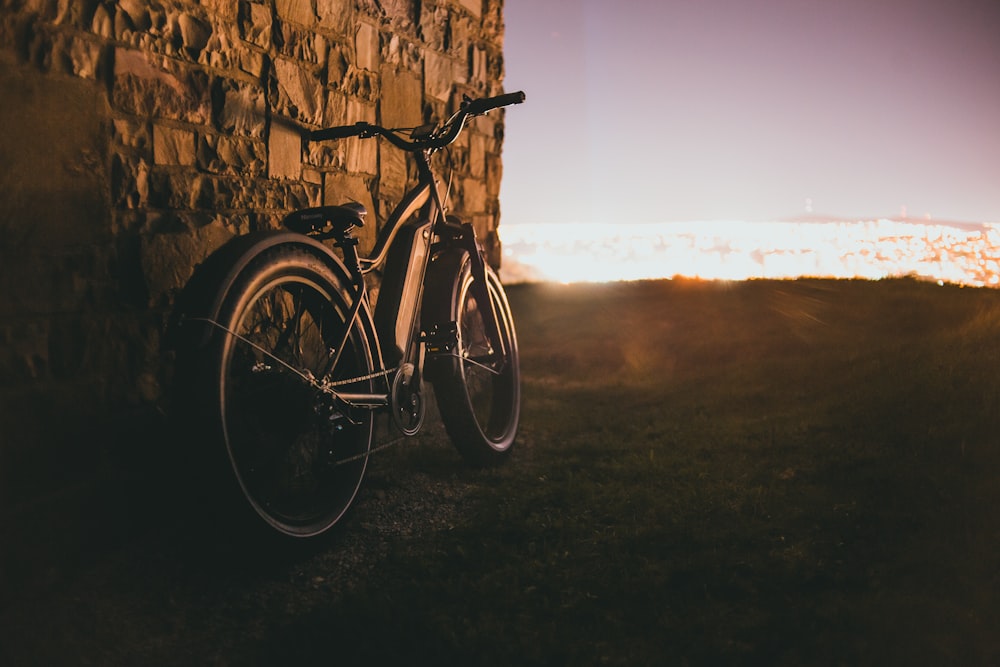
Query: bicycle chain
[
  {"x": 363, "y": 378},
  {"x": 306, "y": 376}
]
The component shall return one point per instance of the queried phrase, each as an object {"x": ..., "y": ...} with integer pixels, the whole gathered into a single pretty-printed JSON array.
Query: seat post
[{"x": 346, "y": 240}]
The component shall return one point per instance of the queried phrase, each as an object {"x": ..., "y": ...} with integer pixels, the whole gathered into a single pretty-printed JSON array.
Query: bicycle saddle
[{"x": 315, "y": 220}]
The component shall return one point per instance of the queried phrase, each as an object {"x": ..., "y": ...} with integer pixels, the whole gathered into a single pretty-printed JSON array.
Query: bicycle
[{"x": 287, "y": 361}]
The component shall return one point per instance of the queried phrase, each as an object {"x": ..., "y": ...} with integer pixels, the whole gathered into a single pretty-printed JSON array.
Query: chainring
[{"x": 407, "y": 405}]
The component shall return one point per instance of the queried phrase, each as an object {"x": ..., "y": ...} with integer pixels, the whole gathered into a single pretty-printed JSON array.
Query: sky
[{"x": 663, "y": 110}]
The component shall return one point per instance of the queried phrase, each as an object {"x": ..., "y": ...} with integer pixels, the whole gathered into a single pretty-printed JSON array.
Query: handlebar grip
[
  {"x": 489, "y": 103},
  {"x": 339, "y": 132}
]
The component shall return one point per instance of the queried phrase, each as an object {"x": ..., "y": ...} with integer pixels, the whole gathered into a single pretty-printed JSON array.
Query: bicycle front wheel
[
  {"x": 477, "y": 386},
  {"x": 298, "y": 457}
]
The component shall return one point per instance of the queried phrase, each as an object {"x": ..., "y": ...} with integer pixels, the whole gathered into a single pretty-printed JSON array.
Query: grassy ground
[{"x": 775, "y": 473}]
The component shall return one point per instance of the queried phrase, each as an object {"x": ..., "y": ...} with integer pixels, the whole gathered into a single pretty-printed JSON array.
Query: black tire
[
  {"x": 480, "y": 404},
  {"x": 284, "y": 443}
]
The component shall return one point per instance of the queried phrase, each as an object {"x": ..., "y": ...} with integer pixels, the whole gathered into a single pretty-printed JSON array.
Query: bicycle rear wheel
[
  {"x": 477, "y": 387},
  {"x": 298, "y": 458}
]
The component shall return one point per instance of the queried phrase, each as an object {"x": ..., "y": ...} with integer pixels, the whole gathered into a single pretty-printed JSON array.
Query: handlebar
[
  {"x": 446, "y": 134},
  {"x": 340, "y": 132},
  {"x": 481, "y": 106}
]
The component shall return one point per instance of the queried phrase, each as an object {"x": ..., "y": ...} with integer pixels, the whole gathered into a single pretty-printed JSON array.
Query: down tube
[{"x": 402, "y": 285}]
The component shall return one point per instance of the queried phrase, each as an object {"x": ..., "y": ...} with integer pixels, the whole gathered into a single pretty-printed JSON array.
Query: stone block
[
  {"x": 161, "y": 89},
  {"x": 477, "y": 155},
  {"x": 337, "y": 66},
  {"x": 494, "y": 70},
  {"x": 478, "y": 67},
  {"x": 434, "y": 26},
  {"x": 475, "y": 7},
  {"x": 460, "y": 35},
  {"x": 300, "y": 195},
  {"x": 296, "y": 11},
  {"x": 224, "y": 10},
  {"x": 304, "y": 45},
  {"x": 326, "y": 155},
  {"x": 393, "y": 172},
  {"x": 439, "y": 76},
  {"x": 494, "y": 174},
  {"x": 231, "y": 155},
  {"x": 370, "y": 8},
  {"x": 362, "y": 84},
  {"x": 251, "y": 62},
  {"x": 224, "y": 193},
  {"x": 366, "y": 46},
  {"x": 284, "y": 151},
  {"x": 473, "y": 196},
  {"x": 392, "y": 51},
  {"x": 335, "y": 15},
  {"x": 312, "y": 177},
  {"x": 401, "y": 14},
  {"x": 493, "y": 26},
  {"x": 401, "y": 102},
  {"x": 300, "y": 93},
  {"x": 182, "y": 190},
  {"x": 362, "y": 154},
  {"x": 243, "y": 109},
  {"x": 256, "y": 24},
  {"x": 137, "y": 12},
  {"x": 245, "y": 195},
  {"x": 195, "y": 33},
  {"x": 224, "y": 49},
  {"x": 335, "y": 111},
  {"x": 102, "y": 24},
  {"x": 173, "y": 146}
]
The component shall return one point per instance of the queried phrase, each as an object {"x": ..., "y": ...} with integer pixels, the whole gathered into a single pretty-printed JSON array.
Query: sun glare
[{"x": 967, "y": 254}]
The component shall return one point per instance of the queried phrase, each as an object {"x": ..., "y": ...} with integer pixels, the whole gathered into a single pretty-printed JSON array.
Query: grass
[
  {"x": 761, "y": 472},
  {"x": 780, "y": 473}
]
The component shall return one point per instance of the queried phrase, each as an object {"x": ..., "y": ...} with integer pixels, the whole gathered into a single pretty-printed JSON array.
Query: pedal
[{"x": 441, "y": 339}]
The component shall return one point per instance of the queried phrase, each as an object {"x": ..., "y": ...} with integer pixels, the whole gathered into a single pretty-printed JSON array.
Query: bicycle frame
[{"x": 414, "y": 231}]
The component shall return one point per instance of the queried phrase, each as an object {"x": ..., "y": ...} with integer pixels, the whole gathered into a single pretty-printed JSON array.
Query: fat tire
[
  {"x": 277, "y": 444},
  {"x": 480, "y": 411}
]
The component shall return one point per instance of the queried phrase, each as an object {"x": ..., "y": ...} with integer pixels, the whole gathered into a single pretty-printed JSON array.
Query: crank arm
[{"x": 362, "y": 401}]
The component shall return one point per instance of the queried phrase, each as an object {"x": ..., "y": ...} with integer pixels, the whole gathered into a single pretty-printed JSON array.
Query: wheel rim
[{"x": 493, "y": 389}]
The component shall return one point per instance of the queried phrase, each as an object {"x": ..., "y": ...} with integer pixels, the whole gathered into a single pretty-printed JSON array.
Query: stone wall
[{"x": 138, "y": 136}]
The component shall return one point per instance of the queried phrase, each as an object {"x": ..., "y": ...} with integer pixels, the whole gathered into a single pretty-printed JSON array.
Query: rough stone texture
[
  {"x": 173, "y": 146},
  {"x": 140, "y": 134},
  {"x": 284, "y": 152}
]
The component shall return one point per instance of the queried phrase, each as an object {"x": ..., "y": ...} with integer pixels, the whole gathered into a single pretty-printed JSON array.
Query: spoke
[
  {"x": 473, "y": 362},
  {"x": 307, "y": 377}
]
